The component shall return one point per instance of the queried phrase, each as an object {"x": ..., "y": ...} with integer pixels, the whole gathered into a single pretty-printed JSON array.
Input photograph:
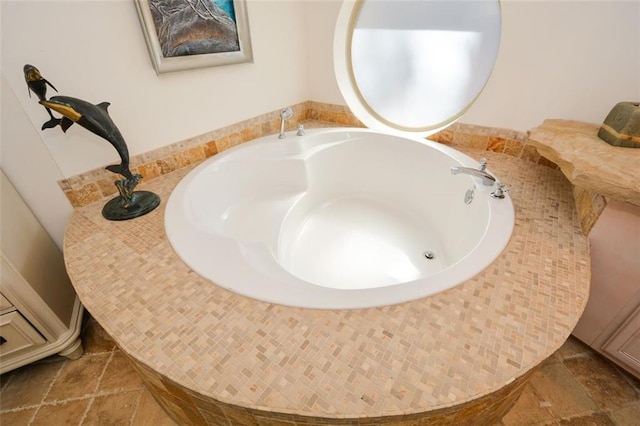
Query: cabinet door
[
  {"x": 17, "y": 334},
  {"x": 625, "y": 344},
  {"x": 5, "y": 305}
]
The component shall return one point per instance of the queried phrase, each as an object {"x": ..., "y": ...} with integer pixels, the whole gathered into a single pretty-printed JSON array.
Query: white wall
[
  {"x": 321, "y": 18},
  {"x": 558, "y": 59},
  {"x": 563, "y": 59},
  {"x": 30, "y": 168},
  {"x": 95, "y": 50}
]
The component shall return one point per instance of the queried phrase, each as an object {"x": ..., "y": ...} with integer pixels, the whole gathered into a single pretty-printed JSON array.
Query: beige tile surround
[
  {"x": 93, "y": 185},
  {"x": 208, "y": 354}
]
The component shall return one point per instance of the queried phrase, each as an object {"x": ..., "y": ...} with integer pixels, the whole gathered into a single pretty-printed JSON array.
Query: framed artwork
[{"x": 187, "y": 34}]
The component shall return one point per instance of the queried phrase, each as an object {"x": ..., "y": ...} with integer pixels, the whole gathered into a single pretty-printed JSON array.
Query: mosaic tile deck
[{"x": 196, "y": 341}]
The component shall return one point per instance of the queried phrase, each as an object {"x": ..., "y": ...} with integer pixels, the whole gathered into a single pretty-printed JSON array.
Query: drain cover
[{"x": 429, "y": 255}]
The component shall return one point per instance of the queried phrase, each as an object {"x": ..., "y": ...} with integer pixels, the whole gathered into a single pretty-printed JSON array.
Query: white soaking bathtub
[{"x": 336, "y": 219}]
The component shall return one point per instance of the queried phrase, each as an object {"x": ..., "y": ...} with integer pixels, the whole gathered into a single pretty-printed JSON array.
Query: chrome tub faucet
[
  {"x": 285, "y": 114},
  {"x": 487, "y": 180},
  {"x": 480, "y": 172}
]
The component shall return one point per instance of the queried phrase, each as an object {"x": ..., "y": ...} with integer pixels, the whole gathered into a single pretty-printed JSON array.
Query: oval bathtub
[{"x": 336, "y": 219}]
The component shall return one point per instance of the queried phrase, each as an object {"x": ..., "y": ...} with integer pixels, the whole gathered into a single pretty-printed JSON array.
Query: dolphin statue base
[
  {"x": 141, "y": 203},
  {"x": 130, "y": 204}
]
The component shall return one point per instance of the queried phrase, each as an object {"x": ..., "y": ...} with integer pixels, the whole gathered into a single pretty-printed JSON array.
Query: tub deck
[{"x": 193, "y": 340}]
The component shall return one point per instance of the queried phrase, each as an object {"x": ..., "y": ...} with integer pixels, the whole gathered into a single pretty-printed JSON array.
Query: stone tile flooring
[{"x": 574, "y": 387}]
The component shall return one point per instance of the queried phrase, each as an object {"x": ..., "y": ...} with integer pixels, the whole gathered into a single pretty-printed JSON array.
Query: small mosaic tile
[{"x": 213, "y": 354}]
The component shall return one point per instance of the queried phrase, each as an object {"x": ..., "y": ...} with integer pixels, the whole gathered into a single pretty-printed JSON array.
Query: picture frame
[{"x": 175, "y": 46}]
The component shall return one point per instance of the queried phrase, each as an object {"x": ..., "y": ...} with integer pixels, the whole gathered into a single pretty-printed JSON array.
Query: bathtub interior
[
  {"x": 371, "y": 209},
  {"x": 344, "y": 211}
]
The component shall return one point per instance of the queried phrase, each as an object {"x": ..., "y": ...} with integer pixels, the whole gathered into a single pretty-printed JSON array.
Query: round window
[{"x": 414, "y": 66}]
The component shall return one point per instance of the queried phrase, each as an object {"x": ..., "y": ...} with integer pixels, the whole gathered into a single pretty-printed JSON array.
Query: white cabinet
[
  {"x": 624, "y": 344},
  {"x": 40, "y": 314},
  {"x": 610, "y": 323},
  {"x": 5, "y": 305},
  {"x": 16, "y": 334}
]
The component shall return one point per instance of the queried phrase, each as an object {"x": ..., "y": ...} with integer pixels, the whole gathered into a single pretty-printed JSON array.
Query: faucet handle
[
  {"x": 499, "y": 191},
  {"x": 300, "y": 130},
  {"x": 483, "y": 164},
  {"x": 286, "y": 113}
]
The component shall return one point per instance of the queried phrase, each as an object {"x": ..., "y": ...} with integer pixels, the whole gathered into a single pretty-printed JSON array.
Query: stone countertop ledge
[
  {"x": 435, "y": 352},
  {"x": 588, "y": 161}
]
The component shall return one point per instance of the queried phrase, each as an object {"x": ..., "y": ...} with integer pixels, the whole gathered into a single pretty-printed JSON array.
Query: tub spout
[
  {"x": 487, "y": 179},
  {"x": 285, "y": 114}
]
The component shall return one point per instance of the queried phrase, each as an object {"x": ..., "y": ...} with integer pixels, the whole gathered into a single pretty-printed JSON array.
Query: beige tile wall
[
  {"x": 94, "y": 185},
  {"x": 188, "y": 407}
]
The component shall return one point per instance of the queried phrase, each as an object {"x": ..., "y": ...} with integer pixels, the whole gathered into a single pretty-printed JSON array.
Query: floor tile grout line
[
  {"x": 599, "y": 409},
  {"x": 95, "y": 393},
  {"x": 585, "y": 354},
  {"x": 579, "y": 382},
  {"x": 580, "y": 415},
  {"x": 540, "y": 399},
  {"x": 621, "y": 372},
  {"x": 558, "y": 417},
  {"x": 62, "y": 363},
  {"x": 95, "y": 390},
  {"x": 611, "y": 410},
  {"x": 67, "y": 400},
  {"x": 15, "y": 372},
  {"x": 629, "y": 379},
  {"x": 104, "y": 370},
  {"x": 86, "y": 411},
  {"x": 135, "y": 410},
  {"x": 46, "y": 393},
  {"x": 6, "y": 383},
  {"x": 555, "y": 418}
]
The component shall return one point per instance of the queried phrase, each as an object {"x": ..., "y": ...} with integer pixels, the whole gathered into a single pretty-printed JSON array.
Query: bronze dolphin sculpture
[
  {"x": 38, "y": 85},
  {"x": 96, "y": 119}
]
